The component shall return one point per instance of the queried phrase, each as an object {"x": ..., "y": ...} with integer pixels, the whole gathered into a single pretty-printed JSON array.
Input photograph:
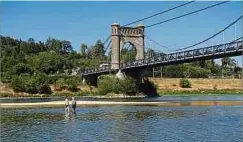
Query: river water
[{"x": 127, "y": 123}]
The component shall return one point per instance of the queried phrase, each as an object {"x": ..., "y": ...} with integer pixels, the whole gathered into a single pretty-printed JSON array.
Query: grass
[
  {"x": 200, "y": 92},
  {"x": 198, "y": 84}
]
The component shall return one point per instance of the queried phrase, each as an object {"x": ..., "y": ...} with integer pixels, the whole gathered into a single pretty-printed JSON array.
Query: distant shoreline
[{"x": 165, "y": 87}]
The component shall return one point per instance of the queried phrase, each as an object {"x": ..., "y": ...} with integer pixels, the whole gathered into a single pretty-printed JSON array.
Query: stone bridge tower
[{"x": 123, "y": 35}]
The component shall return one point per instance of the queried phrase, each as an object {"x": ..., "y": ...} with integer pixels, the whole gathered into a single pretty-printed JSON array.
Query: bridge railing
[
  {"x": 206, "y": 51},
  {"x": 182, "y": 55}
]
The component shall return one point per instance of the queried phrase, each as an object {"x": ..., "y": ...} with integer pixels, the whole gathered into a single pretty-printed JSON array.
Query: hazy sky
[{"x": 86, "y": 22}]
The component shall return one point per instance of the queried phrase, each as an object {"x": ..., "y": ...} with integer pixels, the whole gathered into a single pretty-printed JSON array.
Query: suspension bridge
[{"x": 120, "y": 35}]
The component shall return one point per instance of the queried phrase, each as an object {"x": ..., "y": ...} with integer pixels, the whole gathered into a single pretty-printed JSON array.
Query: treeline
[
  {"x": 29, "y": 66},
  {"x": 198, "y": 69}
]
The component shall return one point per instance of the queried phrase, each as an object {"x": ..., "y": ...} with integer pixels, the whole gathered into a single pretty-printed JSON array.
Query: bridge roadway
[{"x": 211, "y": 52}]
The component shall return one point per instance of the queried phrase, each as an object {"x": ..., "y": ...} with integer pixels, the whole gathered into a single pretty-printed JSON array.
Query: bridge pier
[
  {"x": 142, "y": 82},
  {"x": 121, "y": 75},
  {"x": 91, "y": 80},
  {"x": 144, "y": 85}
]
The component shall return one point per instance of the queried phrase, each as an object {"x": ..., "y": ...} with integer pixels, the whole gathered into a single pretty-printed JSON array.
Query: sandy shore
[{"x": 107, "y": 103}]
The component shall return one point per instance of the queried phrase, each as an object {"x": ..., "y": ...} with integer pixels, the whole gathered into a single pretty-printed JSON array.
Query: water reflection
[{"x": 124, "y": 123}]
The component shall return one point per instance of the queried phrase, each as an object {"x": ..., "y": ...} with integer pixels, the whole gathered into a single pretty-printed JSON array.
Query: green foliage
[
  {"x": 111, "y": 84},
  {"x": 60, "y": 84},
  {"x": 38, "y": 84},
  {"x": 150, "y": 53},
  {"x": 128, "y": 55},
  {"x": 22, "y": 68},
  {"x": 60, "y": 47},
  {"x": 25, "y": 63},
  {"x": 228, "y": 62},
  {"x": 97, "y": 51},
  {"x": 173, "y": 71},
  {"x": 108, "y": 84},
  {"x": 7, "y": 63},
  {"x": 47, "y": 62},
  {"x": 31, "y": 84},
  {"x": 72, "y": 84},
  {"x": 185, "y": 83},
  {"x": 83, "y": 48},
  {"x": 128, "y": 85},
  {"x": 196, "y": 72},
  {"x": 18, "y": 84},
  {"x": 6, "y": 77},
  {"x": 66, "y": 82}
]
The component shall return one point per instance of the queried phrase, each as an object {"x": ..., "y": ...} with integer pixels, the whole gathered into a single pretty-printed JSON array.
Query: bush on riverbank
[
  {"x": 185, "y": 83},
  {"x": 70, "y": 83},
  {"x": 37, "y": 83},
  {"x": 111, "y": 84}
]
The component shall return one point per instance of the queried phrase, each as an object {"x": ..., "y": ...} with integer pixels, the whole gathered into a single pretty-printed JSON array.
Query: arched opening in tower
[{"x": 128, "y": 53}]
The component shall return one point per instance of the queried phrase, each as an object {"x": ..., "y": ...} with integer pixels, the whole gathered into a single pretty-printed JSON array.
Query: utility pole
[
  {"x": 161, "y": 75},
  {"x": 235, "y": 31},
  {"x": 153, "y": 73},
  {"x": 221, "y": 60}
]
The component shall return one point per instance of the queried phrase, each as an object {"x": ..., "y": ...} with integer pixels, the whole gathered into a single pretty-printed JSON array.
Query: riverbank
[
  {"x": 165, "y": 87},
  {"x": 198, "y": 84},
  {"x": 108, "y": 103},
  {"x": 201, "y": 92}
]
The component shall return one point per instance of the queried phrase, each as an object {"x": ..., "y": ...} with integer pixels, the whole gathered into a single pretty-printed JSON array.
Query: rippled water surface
[{"x": 124, "y": 123}]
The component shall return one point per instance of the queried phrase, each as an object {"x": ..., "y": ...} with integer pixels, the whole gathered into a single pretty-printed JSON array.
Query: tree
[
  {"x": 228, "y": 62},
  {"x": 31, "y": 40},
  {"x": 53, "y": 44},
  {"x": 99, "y": 50},
  {"x": 150, "y": 53},
  {"x": 128, "y": 55},
  {"x": 37, "y": 84},
  {"x": 196, "y": 72},
  {"x": 61, "y": 47},
  {"x": 47, "y": 62},
  {"x": 83, "y": 48},
  {"x": 66, "y": 47},
  {"x": 72, "y": 84},
  {"x": 18, "y": 84},
  {"x": 22, "y": 68},
  {"x": 173, "y": 71},
  {"x": 25, "y": 47}
]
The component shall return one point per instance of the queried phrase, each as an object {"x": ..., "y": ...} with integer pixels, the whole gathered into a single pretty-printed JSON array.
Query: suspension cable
[
  {"x": 155, "y": 42},
  {"x": 240, "y": 38},
  {"x": 106, "y": 39},
  {"x": 107, "y": 47},
  {"x": 156, "y": 14},
  {"x": 212, "y": 35},
  {"x": 186, "y": 14}
]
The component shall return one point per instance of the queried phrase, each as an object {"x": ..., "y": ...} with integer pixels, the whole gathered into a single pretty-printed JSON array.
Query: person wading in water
[
  {"x": 66, "y": 107},
  {"x": 73, "y": 105}
]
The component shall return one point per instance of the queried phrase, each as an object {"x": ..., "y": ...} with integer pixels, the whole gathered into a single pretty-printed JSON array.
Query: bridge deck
[{"x": 211, "y": 52}]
